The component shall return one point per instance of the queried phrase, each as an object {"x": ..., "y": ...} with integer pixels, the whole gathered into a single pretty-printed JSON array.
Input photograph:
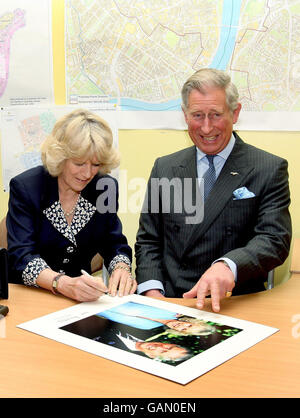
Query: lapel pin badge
[{"x": 234, "y": 173}]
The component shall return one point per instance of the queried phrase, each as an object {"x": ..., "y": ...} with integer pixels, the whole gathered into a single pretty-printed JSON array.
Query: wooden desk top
[
  {"x": 34, "y": 366},
  {"x": 295, "y": 260}
]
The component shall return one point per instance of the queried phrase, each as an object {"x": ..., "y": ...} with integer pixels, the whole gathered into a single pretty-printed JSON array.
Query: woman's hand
[
  {"x": 121, "y": 281},
  {"x": 83, "y": 288}
]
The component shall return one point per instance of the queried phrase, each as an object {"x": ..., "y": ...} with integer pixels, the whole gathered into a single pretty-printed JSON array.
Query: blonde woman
[{"x": 63, "y": 213}]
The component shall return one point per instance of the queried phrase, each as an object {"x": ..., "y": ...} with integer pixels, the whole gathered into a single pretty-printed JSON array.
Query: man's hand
[
  {"x": 154, "y": 293},
  {"x": 216, "y": 281}
]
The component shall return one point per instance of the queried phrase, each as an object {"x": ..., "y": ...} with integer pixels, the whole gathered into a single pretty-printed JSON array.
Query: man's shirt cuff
[
  {"x": 231, "y": 265},
  {"x": 150, "y": 285}
]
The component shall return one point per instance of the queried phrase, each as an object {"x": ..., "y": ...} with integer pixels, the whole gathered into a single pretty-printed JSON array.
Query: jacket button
[
  {"x": 70, "y": 249},
  {"x": 66, "y": 261},
  {"x": 228, "y": 230}
]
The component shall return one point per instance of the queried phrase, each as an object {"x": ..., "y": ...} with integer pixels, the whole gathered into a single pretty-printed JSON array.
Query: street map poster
[{"x": 138, "y": 54}]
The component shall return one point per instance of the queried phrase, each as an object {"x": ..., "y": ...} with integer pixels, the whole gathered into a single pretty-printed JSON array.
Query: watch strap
[{"x": 55, "y": 283}]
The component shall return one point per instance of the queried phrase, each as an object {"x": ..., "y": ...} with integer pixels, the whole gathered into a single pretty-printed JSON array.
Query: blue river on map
[{"x": 230, "y": 20}]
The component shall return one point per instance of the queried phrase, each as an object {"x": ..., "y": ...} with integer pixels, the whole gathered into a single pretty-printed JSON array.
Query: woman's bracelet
[{"x": 127, "y": 268}]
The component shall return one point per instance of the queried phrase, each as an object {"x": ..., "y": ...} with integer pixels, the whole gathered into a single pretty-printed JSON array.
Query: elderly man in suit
[{"x": 244, "y": 228}]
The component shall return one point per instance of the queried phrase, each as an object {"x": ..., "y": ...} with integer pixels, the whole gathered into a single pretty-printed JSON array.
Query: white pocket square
[{"x": 242, "y": 193}]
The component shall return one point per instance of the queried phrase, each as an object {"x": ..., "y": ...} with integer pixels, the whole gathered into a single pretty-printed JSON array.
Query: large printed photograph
[
  {"x": 152, "y": 332},
  {"x": 164, "y": 339}
]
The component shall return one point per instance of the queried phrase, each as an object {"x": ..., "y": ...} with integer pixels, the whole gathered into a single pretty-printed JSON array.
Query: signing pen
[{"x": 85, "y": 273}]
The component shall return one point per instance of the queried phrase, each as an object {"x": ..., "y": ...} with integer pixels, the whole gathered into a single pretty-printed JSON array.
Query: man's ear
[
  {"x": 236, "y": 113},
  {"x": 185, "y": 114}
]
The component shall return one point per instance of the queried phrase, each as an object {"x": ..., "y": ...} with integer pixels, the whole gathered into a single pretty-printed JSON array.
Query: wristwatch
[{"x": 55, "y": 283}]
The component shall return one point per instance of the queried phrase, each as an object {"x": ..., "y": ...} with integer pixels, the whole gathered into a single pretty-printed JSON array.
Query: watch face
[
  {"x": 55, "y": 282},
  {"x": 54, "y": 285}
]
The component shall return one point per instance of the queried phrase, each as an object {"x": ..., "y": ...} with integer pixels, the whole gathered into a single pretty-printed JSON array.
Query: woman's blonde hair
[{"x": 79, "y": 135}]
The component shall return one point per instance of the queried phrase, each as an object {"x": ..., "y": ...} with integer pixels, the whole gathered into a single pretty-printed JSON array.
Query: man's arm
[
  {"x": 267, "y": 249},
  {"x": 271, "y": 240},
  {"x": 149, "y": 245}
]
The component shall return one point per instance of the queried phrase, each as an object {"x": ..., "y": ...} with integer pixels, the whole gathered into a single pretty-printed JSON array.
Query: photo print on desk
[
  {"x": 152, "y": 332},
  {"x": 156, "y": 336}
]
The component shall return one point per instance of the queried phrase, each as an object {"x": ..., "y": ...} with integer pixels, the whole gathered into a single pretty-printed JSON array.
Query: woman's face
[
  {"x": 188, "y": 327},
  {"x": 77, "y": 173}
]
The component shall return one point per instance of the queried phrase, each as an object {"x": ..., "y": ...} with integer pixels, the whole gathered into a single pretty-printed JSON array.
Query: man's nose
[{"x": 206, "y": 125}]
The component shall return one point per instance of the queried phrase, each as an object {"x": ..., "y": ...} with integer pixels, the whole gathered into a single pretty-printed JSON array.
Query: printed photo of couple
[{"x": 152, "y": 332}]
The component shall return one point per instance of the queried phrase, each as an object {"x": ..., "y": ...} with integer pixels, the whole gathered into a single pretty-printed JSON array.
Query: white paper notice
[
  {"x": 26, "y": 73},
  {"x": 24, "y": 128}
]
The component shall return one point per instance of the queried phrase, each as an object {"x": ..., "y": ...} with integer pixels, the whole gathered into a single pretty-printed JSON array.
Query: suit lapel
[
  {"x": 186, "y": 188},
  {"x": 49, "y": 192},
  {"x": 186, "y": 168},
  {"x": 232, "y": 176}
]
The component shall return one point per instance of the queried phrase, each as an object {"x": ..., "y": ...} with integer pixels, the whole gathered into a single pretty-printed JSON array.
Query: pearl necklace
[{"x": 73, "y": 209}]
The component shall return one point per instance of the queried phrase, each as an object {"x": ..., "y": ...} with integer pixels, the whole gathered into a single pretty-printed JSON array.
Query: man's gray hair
[{"x": 207, "y": 78}]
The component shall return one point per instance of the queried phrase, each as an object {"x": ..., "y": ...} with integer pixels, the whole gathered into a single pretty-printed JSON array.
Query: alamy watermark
[
  {"x": 160, "y": 195},
  {"x": 2, "y": 327},
  {"x": 296, "y": 327}
]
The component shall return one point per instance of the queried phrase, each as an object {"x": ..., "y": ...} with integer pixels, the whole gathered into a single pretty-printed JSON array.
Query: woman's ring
[{"x": 228, "y": 294}]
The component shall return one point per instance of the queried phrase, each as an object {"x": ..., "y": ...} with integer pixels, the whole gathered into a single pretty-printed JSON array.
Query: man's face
[
  {"x": 165, "y": 351},
  {"x": 209, "y": 120}
]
